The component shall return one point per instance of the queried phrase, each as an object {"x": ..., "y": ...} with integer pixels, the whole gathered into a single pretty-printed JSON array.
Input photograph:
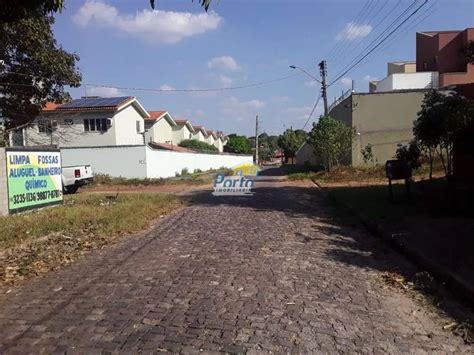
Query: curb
[{"x": 457, "y": 285}]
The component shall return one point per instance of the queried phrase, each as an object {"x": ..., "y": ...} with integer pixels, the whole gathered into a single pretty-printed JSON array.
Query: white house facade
[
  {"x": 88, "y": 122},
  {"x": 407, "y": 81},
  {"x": 200, "y": 133},
  {"x": 219, "y": 143},
  {"x": 159, "y": 127},
  {"x": 211, "y": 138},
  {"x": 182, "y": 131}
]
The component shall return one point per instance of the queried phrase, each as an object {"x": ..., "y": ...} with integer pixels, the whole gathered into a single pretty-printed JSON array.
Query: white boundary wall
[
  {"x": 406, "y": 81},
  {"x": 145, "y": 162}
]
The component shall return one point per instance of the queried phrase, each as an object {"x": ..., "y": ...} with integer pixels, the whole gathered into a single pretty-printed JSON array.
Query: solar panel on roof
[{"x": 95, "y": 102}]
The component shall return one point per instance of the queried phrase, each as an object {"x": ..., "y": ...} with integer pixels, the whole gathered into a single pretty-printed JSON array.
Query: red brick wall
[{"x": 443, "y": 52}]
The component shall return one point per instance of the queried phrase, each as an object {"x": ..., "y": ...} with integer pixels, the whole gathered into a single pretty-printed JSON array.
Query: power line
[
  {"x": 363, "y": 21},
  {"x": 337, "y": 46},
  {"x": 408, "y": 27},
  {"x": 378, "y": 44},
  {"x": 391, "y": 10},
  {"x": 254, "y": 84},
  {"x": 259, "y": 83},
  {"x": 312, "y": 111},
  {"x": 416, "y": 21},
  {"x": 393, "y": 23}
]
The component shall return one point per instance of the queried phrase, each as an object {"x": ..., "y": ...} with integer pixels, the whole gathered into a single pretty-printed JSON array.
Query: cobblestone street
[{"x": 269, "y": 273}]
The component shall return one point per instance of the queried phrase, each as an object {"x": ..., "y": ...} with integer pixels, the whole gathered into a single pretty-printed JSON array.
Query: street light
[
  {"x": 305, "y": 72},
  {"x": 322, "y": 67}
]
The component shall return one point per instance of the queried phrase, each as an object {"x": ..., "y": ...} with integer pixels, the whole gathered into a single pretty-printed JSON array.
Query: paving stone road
[{"x": 269, "y": 273}]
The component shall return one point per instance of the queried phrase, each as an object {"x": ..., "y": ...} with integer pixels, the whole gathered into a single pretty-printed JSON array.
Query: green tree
[
  {"x": 411, "y": 153},
  {"x": 198, "y": 146},
  {"x": 290, "y": 141},
  {"x": 14, "y": 10},
  {"x": 20, "y": 9},
  {"x": 332, "y": 140},
  {"x": 441, "y": 118},
  {"x": 238, "y": 144},
  {"x": 33, "y": 69}
]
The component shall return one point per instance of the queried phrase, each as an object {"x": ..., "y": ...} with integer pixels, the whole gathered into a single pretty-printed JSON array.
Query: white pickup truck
[{"x": 76, "y": 176}]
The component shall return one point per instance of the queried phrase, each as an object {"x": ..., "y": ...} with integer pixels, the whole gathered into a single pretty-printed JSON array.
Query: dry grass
[
  {"x": 344, "y": 174},
  {"x": 35, "y": 242}
]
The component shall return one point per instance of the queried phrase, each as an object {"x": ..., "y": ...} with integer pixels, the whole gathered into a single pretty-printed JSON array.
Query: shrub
[
  {"x": 198, "y": 146},
  {"x": 331, "y": 140},
  {"x": 410, "y": 153},
  {"x": 368, "y": 155},
  {"x": 238, "y": 145}
]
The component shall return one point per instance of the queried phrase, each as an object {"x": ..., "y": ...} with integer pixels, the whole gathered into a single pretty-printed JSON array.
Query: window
[
  {"x": 95, "y": 125},
  {"x": 139, "y": 127},
  {"x": 47, "y": 126}
]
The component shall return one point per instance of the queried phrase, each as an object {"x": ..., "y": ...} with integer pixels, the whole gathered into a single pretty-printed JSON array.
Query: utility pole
[
  {"x": 323, "y": 71},
  {"x": 256, "y": 140}
]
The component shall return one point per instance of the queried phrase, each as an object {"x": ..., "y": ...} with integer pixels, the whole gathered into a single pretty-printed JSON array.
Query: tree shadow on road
[{"x": 350, "y": 242}]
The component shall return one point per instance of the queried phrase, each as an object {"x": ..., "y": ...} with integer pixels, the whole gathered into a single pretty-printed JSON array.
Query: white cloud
[
  {"x": 167, "y": 87},
  {"x": 302, "y": 112},
  {"x": 346, "y": 82},
  {"x": 225, "y": 81},
  {"x": 280, "y": 99},
  {"x": 311, "y": 83},
  {"x": 370, "y": 78},
  {"x": 154, "y": 26},
  {"x": 354, "y": 31},
  {"x": 241, "y": 110},
  {"x": 299, "y": 112},
  {"x": 224, "y": 62},
  {"x": 104, "y": 92},
  {"x": 199, "y": 113}
]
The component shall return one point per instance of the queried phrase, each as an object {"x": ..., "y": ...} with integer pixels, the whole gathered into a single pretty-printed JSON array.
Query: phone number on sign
[{"x": 36, "y": 196}]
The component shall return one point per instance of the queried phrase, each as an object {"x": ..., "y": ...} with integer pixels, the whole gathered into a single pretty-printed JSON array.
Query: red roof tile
[
  {"x": 50, "y": 106},
  {"x": 166, "y": 146},
  {"x": 154, "y": 115}
]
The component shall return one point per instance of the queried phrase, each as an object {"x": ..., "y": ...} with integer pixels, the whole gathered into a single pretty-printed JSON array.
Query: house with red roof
[
  {"x": 211, "y": 137},
  {"x": 88, "y": 122},
  {"x": 182, "y": 131},
  {"x": 200, "y": 133},
  {"x": 159, "y": 127}
]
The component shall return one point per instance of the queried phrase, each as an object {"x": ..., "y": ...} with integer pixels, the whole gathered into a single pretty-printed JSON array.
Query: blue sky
[{"x": 123, "y": 43}]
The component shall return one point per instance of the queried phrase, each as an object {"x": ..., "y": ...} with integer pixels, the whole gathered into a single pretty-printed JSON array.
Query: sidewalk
[{"x": 439, "y": 243}]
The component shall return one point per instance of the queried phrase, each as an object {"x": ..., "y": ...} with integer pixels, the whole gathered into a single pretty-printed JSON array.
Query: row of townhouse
[
  {"x": 384, "y": 116},
  {"x": 112, "y": 121},
  {"x": 163, "y": 130}
]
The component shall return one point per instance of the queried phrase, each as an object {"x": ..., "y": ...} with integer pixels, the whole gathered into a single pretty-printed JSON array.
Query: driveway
[{"x": 272, "y": 272}]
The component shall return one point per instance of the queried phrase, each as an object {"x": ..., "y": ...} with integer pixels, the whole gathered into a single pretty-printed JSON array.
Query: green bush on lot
[{"x": 198, "y": 146}]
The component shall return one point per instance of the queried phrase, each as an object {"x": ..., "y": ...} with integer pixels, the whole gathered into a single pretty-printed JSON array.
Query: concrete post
[{"x": 3, "y": 183}]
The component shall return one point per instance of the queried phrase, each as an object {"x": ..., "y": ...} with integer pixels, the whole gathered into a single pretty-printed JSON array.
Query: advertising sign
[
  {"x": 33, "y": 178},
  {"x": 239, "y": 184}
]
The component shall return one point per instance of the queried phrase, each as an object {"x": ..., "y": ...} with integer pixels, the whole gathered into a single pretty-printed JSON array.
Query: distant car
[{"x": 76, "y": 176}]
